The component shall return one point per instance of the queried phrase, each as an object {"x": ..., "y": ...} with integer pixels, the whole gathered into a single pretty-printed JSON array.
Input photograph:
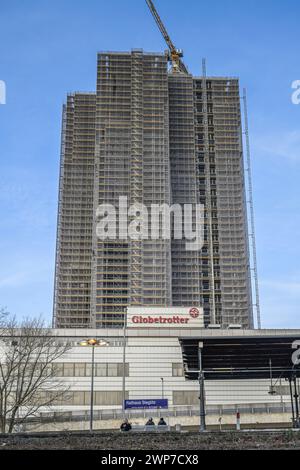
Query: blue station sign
[{"x": 145, "y": 404}]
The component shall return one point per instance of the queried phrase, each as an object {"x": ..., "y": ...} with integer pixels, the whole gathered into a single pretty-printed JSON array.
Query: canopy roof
[{"x": 240, "y": 357}]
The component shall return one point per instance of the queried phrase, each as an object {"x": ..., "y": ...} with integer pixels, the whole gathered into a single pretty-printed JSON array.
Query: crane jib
[{"x": 177, "y": 64}]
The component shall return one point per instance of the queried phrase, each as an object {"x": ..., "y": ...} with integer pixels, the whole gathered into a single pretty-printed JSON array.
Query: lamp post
[
  {"x": 162, "y": 388},
  {"x": 93, "y": 343}
]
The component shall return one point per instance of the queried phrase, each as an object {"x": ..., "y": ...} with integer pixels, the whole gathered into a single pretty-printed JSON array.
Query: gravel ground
[{"x": 168, "y": 441}]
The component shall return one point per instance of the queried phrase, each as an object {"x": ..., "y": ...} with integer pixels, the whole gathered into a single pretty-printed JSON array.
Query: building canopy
[{"x": 229, "y": 358}]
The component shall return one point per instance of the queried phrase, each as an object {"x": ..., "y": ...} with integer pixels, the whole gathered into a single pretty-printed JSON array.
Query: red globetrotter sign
[
  {"x": 165, "y": 317},
  {"x": 194, "y": 312}
]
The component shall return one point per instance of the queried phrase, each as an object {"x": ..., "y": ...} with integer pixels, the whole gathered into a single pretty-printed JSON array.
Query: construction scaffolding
[
  {"x": 185, "y": 264},
  {"x": 132, "y": 153},
  {"x": 155, "y": 137},
  {"x": 224, "y": 259},
  {"x": 72, "y": 291}
]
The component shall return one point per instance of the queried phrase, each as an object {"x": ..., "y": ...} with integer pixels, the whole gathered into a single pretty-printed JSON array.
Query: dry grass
[{"x": 167, "y": 441}]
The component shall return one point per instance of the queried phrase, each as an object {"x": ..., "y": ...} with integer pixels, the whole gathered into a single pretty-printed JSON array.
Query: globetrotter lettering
[
  {"x": 165, "y": 317},
  {"x": 175, "y": 319}
]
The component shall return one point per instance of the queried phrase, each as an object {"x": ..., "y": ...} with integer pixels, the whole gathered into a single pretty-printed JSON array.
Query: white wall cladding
[{"x": 150, "y": 356}]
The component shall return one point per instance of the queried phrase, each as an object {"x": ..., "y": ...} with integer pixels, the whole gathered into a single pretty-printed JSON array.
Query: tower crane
[{"x": 175, "y": 54}]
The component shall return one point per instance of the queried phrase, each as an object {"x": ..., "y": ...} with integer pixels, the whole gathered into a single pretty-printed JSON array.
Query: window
[
  {"x": 58, "y": 369},
  {"x": 101, "y": 370},
  {"x": 177, "y": 370},
  {"x": 88, "y": 370},
  {"x": 68, "y": 370},
  {"x": 112, "y": 370},
  {"x": 80, "y": 369}
]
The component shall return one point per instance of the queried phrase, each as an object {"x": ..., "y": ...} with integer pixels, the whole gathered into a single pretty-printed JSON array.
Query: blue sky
[{"x": 48, "y": 48}]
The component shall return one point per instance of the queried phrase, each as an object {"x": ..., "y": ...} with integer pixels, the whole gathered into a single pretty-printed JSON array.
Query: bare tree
[
  {"x": 28, "y": 381},
  {"x": 3, "y": 317}
]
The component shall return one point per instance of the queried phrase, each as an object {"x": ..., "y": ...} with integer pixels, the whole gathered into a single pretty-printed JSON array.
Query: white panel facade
[{"x": 150, "y": 356}]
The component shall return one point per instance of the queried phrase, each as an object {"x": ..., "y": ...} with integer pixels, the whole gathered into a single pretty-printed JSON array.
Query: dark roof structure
[{"x": 258, "y": 356}]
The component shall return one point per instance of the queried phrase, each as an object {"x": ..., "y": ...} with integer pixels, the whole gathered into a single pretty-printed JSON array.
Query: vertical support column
[
  {"x": 92, "y": 391},
  {"x": 202, "y": 390},
  {"x": 296, "y": 397},
  {"x": 124, "y": 362},
  {"x": 238, "y": 421},
  {"x": 292, "y": 401}
]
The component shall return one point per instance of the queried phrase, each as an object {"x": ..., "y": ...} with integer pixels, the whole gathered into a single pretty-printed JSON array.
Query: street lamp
[
  {"x": 93, "y": 343},
  {"x": 162, "y": 388}
]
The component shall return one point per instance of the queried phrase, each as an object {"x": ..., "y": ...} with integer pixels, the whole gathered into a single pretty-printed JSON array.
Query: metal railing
[{"x": 188, "y": 410}]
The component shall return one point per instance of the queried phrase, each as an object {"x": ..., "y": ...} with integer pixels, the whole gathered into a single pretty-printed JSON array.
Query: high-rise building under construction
[{"x": 156, "y": 137}]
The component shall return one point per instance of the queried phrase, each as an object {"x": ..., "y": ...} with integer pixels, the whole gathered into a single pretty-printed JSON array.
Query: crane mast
[{"x": 175, "y": 54}]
